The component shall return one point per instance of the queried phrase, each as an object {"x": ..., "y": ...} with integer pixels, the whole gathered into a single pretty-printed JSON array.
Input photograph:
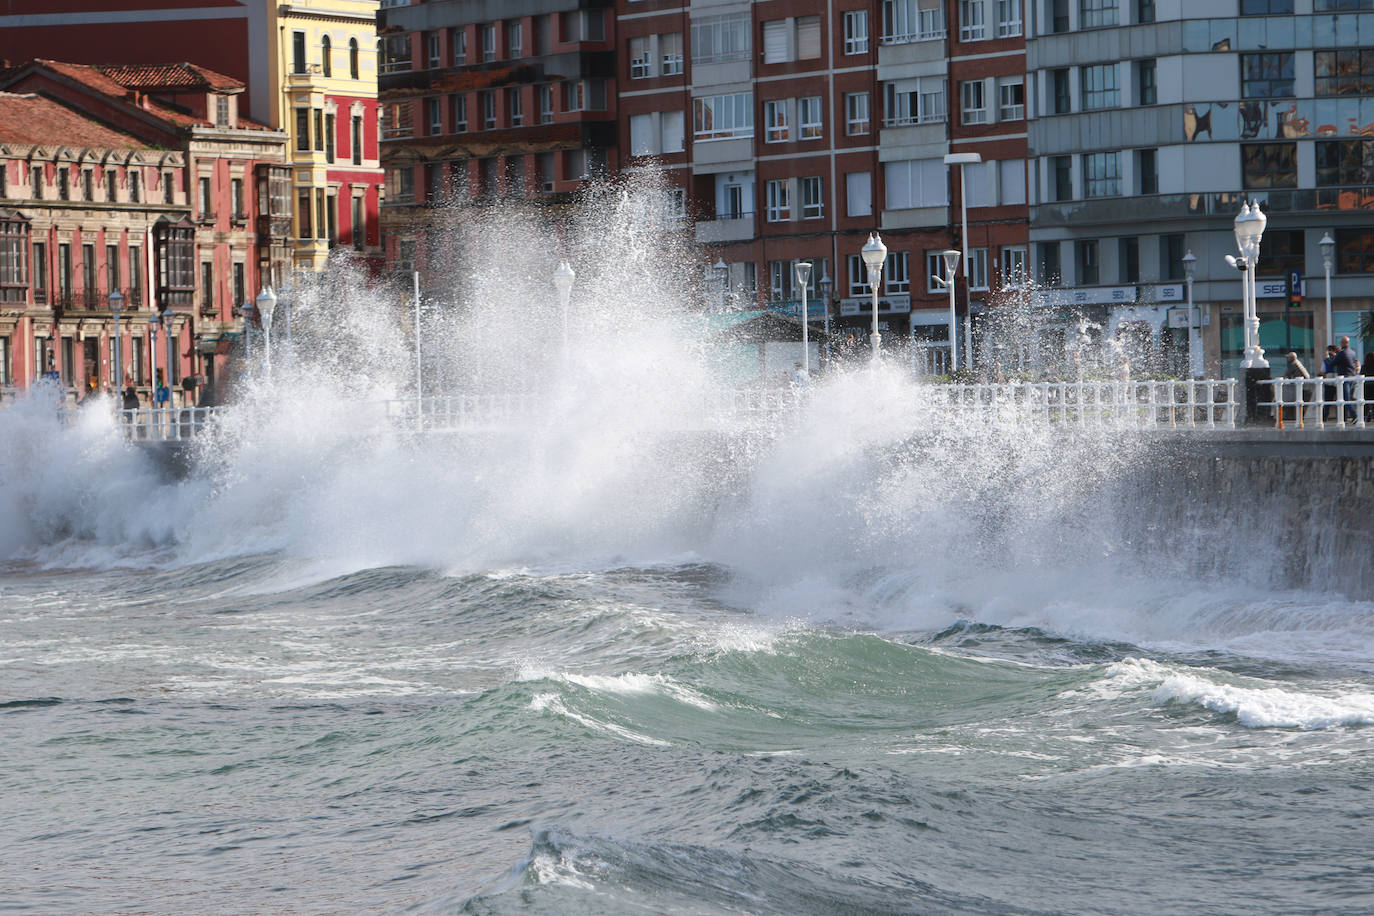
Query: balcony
[
  {"x": 1161, "y": 207},
  {"x": 738, "y": 229}
]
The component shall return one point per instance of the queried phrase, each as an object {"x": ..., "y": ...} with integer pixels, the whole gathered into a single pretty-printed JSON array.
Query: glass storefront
[{"x": 1280, "y": 332}]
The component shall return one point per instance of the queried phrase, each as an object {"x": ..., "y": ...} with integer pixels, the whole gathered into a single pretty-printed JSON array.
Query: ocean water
[{"x": 875, "y": 659}]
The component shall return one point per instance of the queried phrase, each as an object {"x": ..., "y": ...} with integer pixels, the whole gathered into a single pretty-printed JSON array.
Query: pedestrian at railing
[{"x": 1347, "y": 365}]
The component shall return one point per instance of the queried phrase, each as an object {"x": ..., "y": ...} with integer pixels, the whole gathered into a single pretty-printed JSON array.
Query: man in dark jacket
[{"x": 1347, "y": 364}]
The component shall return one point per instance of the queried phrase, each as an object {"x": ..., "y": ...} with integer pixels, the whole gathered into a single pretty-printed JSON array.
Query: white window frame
[
  {"x": 775, "y": 126},
  {"x": 810, "y": 118},
  {"x": 778, "y": 200},
  {"x": 460, "y": 113},
  {"x": 812, "y": 197},
  {"x": 913, "y": 101},
  {"x": 973, "y": 102},
  {"x": 546, "y": 103},
  {"x": 1008, "y": 109},
  {"x": 643, "y": 135},
  {"x": 904, "y": 22},
  {"x": 641, "y": 57},
  {"x": 434, "y": 49},
  {"x": 1008, "y": 18},
  {"x": 1013, "y": 266},
  {"x": 856, "y": 32},
  {"x": 721, "y": 38},
  {"x": 850, "y": 180},
  {"x": 488, "y": 31},
  {"x": 434, "y": 111},
  {"x": 732, "y": 115},
  {"x": 935, "y": 267},
  {"x": 858, "y": 277},
  {"x": 488, "y": 101},
  {"x": 898, "y": 273},
  {"x": 856, "y": 123},
  {"x": 670, "y": 53},
  {"x": 973, "y": 20},
  {"x": 977, "y": 269}
]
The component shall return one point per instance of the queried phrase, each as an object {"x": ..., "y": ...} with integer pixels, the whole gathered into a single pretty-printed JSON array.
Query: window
[
  {"x": 302, "y": 128},
  {"x": 1171, "y": 257},
  {"x": 359, "y": 229},
  {"x": 935, "y": 267},
  {"x": 87, "y": 184},
  {"x": 327, "y": 57},
  {"x": 775, "y": 121},
  {"x": 1061, "y": 177},
  {"x": 812, "y": 206},
  {"x": 1144, "y": 10},
  {"x": 135, "y": 274},
  {"x": 976, "y": 187},
  {"x": 298, "y": 52},
  {"x": 400, "y": 186},
  {"x": 303, "y": 229},
  {"x": 779, "y": 204},
  {"x": 642, "y": 135},
  {"x": 972, "y": 26},
  {"x": 1345, "y": 72},
  {"x": 319, "y": 129},
  {"x": 1008, "y": 18},
  {"x": 515, "y": 38},
  {"x": 546, "y": 104},
  {"x": 1269, "y": 165},
  {"x": 88, "y": 284},
  {"x": 856, "y": 113},
  {"x": 1128, "y": 260},
  {"x": 786, "y": 40},
  {"x": 111, "y": 184},
  {"x": 670, "y": 53},
  {"x": 1345, "y": 163},
  {"x": 204, "y": 200},
  {"x": 974, "y": 102},
  {"x": 515, "y": 106},
  {"x": 898, "y": 273},
  {"x": 14, "y": 249},
  {"x": 1355, "y": 251},
  {"x": 1059, "y": 15},
  {"x": 808, "y": 38},
  {"x": 64, "y": 269},
  {"x": 856, "y": 32},
  {"x": 1086, "y": 250},
  {"x": 721, "y": 38},
  {"x": 1146, "y": 92},
  {"x": 641, "y": 58},
  {"x": 914, "y": 101},
  {"x": 460, "y": 46},
  {"x": 1012, "y": 179},
  {"x": 1011, "y": 98},
  {"x": 358, "y": 141},
  {"x": 858, "y": 276},
  {"x": 236, "y": 198},
  {"x": 1014, "y": 266},
  {"x": 1147, "y": 171},
  {"x": 587, "y": 95},
  {"x": 488, "y": 32},
  {"x": 735, "y": 205},
  {"x": 977, "y": 268},
  {"x": 916, "y": 183},
  {"x": 134, "y": 191},
  {"x": 36, "y": 176},
  {"x": 1268, "y": 76},
  {"x": 1062, "y": 101},
  {"x": 487, "y": 97},
  {"x": 905, "y": 21},
  {"x": 858, "y": 191},
  {"x": 672, "y": 127},
  {"x": 393, "y": 53},
  {"x": 353, "y": 58},
  {"x": 1266, "y": 7},
  {"x": 64, "y": 191},
  {"x": 719, "y": 116},
  {"x": 1099, "y": 87},
  {"x": 222, "y": 110},
  {"x": 207, "y": 286},
  {"x": 1093, "y": 14},
  {"x": 809, "y": 114},
  {"x": 585, "y": 25},
  {"x": 1101, "y": 175}
]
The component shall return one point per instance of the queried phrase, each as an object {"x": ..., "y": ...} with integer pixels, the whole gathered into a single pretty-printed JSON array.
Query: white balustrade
[{"x": 1305, "y": 402}]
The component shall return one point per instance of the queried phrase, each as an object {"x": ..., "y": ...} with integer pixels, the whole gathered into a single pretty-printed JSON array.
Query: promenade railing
[
  {"x": 1321, "y": 403},
  {"x": 1204, "y": 403}
]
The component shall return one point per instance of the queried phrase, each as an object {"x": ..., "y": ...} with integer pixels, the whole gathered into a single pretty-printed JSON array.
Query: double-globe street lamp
[
  {"x": 1328, "y": 246},
  {"x": 874, "y": 254},
  {"x": 1249, "y": 230},
  {"x": 803, "y": 271},
  {"x": 951, "y": 259}
]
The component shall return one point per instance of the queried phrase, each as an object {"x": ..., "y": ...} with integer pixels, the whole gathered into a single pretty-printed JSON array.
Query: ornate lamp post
[
  {"x": 563, "y": 278},
  {"x": 116, "y": 302},
  {"x": 874, "y": 254},
  {"x": 1249, "y": 229},
  {"x": 1328, "y": 246},
  {"x": 803, "y": 271},
  {"x": 963, "y": 160},
  {"x": 1194, "y": 351},
  {"x": 267, "y": 304}
]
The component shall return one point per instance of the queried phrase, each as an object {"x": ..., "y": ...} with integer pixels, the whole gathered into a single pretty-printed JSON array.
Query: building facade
[
  {"x": 144, "y": 180},
  {"x": 309, "y": 68}
]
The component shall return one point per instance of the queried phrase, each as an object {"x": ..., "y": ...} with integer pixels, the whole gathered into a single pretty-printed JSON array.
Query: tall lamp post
[
  {"x": 803, "y": 271},
  {"x": 874, "y": 254},
  {"x": 154, "y": 322},
  {"x": 247, "y": 310},
  {"x": 963, "y": 160},
  {"x": 171, "y": 352},
  {"x": 827, "y": 286},
  {"x": 1194, "y": 351},
  {"x": 267, "y": 303},
  {"x": 951, "y": 259},
  {"x": 116, "y": 302},
  {"x": 1249, "y": 229},
  {"x": 1328, "y": 246},
  {"x": 563, "y": 278},
  {"x": 721, "y": 270}
]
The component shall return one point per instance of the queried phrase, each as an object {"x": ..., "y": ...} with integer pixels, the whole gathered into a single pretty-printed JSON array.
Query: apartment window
[
  {"x": 111, "y": 268},
  {"x": 809, "y": 115},
  {"x": 1128, "y": 260},
  {"x": 1171, "y": 257},
  {"x": 898, "y": 273},
  {"x": 587, "y": 95},
  {"x": 393, "y": 54},
  {"x": 1102, "y": 174},
  {"x": 460, "y": 46},
  {"x": 1008, "y": 18},
  {"x": 303, "y": 229},
  {"x": 786, "y": 40},
  {"x": 1268, "y": 165},
  {"x": 14, "y": 249},
  {"x": 1011, "y": 98},
  {"x": 1099, "y": 89},
  {"x": 775, "y": 128},
  {"x": 1147, "y": 171},
  {"x": 858, "y": 193},
  {"x": 974, "y": 101},
  {"x": 135, "y": 192},
  {"x": 434, "y": 118},
  {"x": 111, "y": 184},
  {"x": 719, "y": 116},
  {"x": 222, "y": 110},
  {"x": 856, "y": 113},
  {"x": 914, "y": 101},
  {"x": 935, "y": 267},
  {"x": 1270, "y": 7},
  {"x": 236, "y": 198},
  {"x": 1014, "y": 266},
  {"x": 780, "y": 281},
  {"x": 64, "y": 269},
  {"x": 487, "y": 97},
  {"x": 1144, "y": 10},
  {"x": 326, "y": 56},
  {"x": 1269, "y": 75},
  {"x": 87, "y": 184},
  {"x": 319, "y": 129},
  {"x": 905, "y": 21},
  {"x": 1093, "y": 14},
  {"x": 642, "y": 135},
  {"x": 1061, "y": 176},
  {"x": 135, "y": 273},
  {"x": 812, "y": 206},
  {"x": 735, "y": 207},
  {"x": 858, "y": 276},
  {"x": 546, "y": 104},
  {"x": 779, "y": 202},
  {"x": 88, "y": 272},
  {"x": 721, "y": 38},
  {"x": 972, "y": 21},
  {"x": 302, "y": 128},
  {"x": 1345, "y": 72},
  {"x": 915, "y": 183},
  {"x": 207, "y": 286},
  {"x": 488, "y": 41},
  {"x": 641, "y": 58},
  {"x": 1086, "y": 250},
  {"x": 353, "y": 58},
  {"x": 670, "y": 53},
  {"x": 808, "y": 38},
  {"x": 359, "y": 233},
  {"x": 204, "y": 199},
  {"x": 977, "y": 272},
  {"x": 1345, "y": 163},
  {"x": 1355, "y": 251},
  {"x": 856, "y": 32},
  {"x": 328, "y": 135},
  {"x": 64, "y": 191},
  {"x": 298, "y": 52},
  {"x": 1146, "y": 92},
  {"x": 1059, "y": 15},
  {"x": 357, "y": 141},
  {"x": 1012, "y": 179},
  {"x": 1062, "y": 100}
]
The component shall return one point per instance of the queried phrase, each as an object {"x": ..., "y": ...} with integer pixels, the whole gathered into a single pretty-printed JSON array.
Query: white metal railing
[
  {"x": 1206, "y": 403},
  {"x": 174, "y": 424},
  {"x": 1307, "y": 401}
]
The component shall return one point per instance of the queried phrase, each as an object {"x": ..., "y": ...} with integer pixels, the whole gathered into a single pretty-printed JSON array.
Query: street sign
[{"x": 1294, "y": 287}]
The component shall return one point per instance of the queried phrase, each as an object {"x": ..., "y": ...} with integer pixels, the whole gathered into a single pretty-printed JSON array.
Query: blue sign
[{"x": 1295, "y": 286}]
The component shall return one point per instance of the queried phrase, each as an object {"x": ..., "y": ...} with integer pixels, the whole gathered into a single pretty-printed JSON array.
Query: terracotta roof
[
  {"x": 29, "y": 118},
  {"x": 184, "y": 76}
]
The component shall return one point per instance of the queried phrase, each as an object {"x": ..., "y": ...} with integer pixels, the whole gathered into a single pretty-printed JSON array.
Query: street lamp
[
  {"x": 951, "y": 259},
  {"x": 963, "y": 160},
  {"x": 721, "y": 270},
  {"x": 874, "y": 254},
  {"x": 803, "y": 271},
  {"x": 154, "y": 322},
  {"x": 247, "y": 310},
  {"x": 827, "y": 286},
  {"x": 1249, "y": 229},
  {"x": 267, "y": 304},
  {"x": 116, "y": 302},
  {"x": 171, "y": 352},
  {"x": 1328, "y": 246},
  {"x": 563, "y": 278},
  {"x": 1194, "y": 351}
]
